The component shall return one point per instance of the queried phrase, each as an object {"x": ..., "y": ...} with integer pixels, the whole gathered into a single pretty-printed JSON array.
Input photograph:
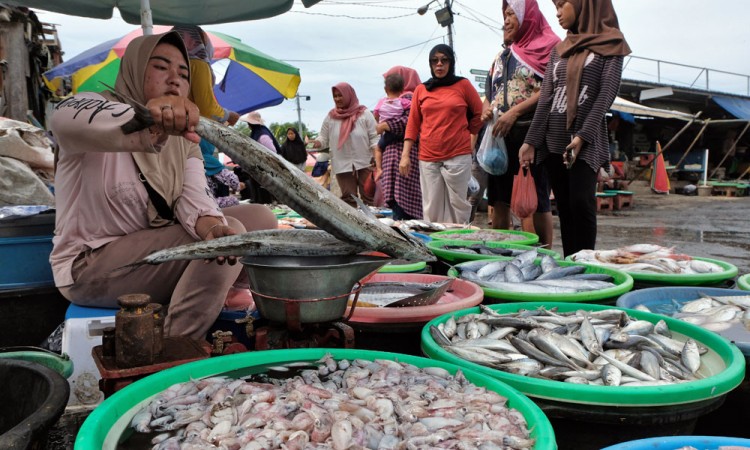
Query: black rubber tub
[{"x": 33, "y": 398}]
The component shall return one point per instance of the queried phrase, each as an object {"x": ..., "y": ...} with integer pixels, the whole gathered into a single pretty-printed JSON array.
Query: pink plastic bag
[{"x": 523, "y": 201}]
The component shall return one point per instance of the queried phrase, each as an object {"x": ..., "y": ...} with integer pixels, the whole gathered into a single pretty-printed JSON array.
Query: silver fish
[{"x": 311, "y": 200}]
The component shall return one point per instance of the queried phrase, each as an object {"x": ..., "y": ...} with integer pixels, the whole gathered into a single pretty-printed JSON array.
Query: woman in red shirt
[{"x": 446, "y": 110}]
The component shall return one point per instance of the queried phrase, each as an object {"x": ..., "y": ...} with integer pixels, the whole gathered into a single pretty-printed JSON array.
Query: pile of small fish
[
  {"x": 715, "y": 313},
  {"x": 522, "y": 274},
  {"x": 485, "y": 236},
  {"x": 481, "y": 249},
  {"x": 646, "y": 258},
  {"x": 605, "y": 347},
  {"x": 343, "y": 404}
]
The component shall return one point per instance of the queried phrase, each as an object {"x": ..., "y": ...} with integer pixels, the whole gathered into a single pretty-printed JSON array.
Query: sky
[{"x": 356, "y": 41}]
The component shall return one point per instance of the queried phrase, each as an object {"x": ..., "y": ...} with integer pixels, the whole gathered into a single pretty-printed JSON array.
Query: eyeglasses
[{"x": 435, "y": 61}]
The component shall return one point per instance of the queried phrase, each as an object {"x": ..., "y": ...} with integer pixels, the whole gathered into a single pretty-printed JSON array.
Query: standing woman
[
  {"x": 569, "y": 129},
  {"x": 294, "y": 149},
  {"x": 349, "y": 131},
  {"x": 445, "y": 111},
  {"x": 512, "y": 91},
  {"x": 401, "y": 193}
]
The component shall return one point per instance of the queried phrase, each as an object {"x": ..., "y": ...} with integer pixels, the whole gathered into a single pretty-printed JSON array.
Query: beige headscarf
[
  {"x": 164, "y": 170},
  {"x": 598, "y": 31}
]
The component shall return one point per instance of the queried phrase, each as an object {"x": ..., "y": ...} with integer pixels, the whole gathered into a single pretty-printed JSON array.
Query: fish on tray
[
  {"x": 482, "y": 249},
  {"x": 383, "y": 294},
  {"x": 522, "y": 274},
  {"x": 728, "y": 314},
  {"x": 646, "y": 258},
  {"x": 605, "y": 347}
]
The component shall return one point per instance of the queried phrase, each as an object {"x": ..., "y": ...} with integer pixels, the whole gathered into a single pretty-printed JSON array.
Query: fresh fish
[
  {"x": 311, "y": 200},
  {"x": 400, "y": 294},
  {"x": 277, "y": 242}
]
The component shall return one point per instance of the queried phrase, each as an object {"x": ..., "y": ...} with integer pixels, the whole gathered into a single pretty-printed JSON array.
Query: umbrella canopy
[
  {"x": 251, "y": 79},
  {"x": 167, "y": 12}
]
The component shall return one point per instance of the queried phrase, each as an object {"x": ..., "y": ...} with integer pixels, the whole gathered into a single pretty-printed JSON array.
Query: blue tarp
[{"x": 738, "y": 107}]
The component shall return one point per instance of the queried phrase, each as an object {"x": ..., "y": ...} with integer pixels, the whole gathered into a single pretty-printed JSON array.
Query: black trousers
[{"x": 575, "y": 194}]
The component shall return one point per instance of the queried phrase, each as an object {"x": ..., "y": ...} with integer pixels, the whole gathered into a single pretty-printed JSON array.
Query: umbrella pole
[{"x": 147, "y": 21}]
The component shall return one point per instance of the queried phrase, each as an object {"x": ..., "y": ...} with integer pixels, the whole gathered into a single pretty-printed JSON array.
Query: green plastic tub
[
  {"x": 726, "y": 364},
  {"x": 106, "y": 424},
  {"x": 587, "y": 417},
  {"x": 743, "y": 282},
  {"x": 59, "y": 363},
  {"x": 454, "y": 257},
  {"x": 519, "y": 237},
  {"x": 623, "y": 283},
  {"x": 689, "y": 279},
  {"x": 403, "y": 267}
]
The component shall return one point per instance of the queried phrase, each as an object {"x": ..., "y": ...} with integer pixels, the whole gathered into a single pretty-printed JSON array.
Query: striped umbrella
[{"x": 246, "y": 79}]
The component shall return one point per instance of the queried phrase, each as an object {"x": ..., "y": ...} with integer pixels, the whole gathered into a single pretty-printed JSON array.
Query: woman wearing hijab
[
  {"x": 445, "y": 111},
  {"x": 512, "y": 91},
  {"x": 349, "y": 132},
  {"x": 401, "y": 193},
  {"x": 123, "y": 195},
  {"x": 294, "y": 149},
  {"x": 569, "y": 133}
]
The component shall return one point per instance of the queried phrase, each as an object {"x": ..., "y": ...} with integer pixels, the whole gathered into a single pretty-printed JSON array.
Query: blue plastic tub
[
  {"x": 676, "y": 442},
  {"x": 662, "y": 300},
  {"x": 25, "y": 262}
]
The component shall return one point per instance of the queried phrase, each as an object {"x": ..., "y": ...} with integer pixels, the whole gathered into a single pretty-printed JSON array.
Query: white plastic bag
[{"x": 492, "y": 155}]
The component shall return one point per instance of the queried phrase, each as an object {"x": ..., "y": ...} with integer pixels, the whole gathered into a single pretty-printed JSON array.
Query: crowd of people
[{"x": 121, "y": 196}]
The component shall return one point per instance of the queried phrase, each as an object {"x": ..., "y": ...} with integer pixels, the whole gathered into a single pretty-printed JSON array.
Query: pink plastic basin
[{"x": 462, "y": 294}]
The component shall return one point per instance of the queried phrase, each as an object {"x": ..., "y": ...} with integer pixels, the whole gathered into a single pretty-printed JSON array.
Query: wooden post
[
  {"x": 660, "y": 151},
  {"x": 16, "y": 71},
  {"x": 692, "y": 144}
]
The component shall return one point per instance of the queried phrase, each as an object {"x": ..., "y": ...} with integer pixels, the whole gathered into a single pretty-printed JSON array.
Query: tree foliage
[{"x": 279, "y": 130}]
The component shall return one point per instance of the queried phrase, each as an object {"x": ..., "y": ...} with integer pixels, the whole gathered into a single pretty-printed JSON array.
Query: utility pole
[
  {"x": 444, "y": 17},
  {"x": 299, "y": 113}
]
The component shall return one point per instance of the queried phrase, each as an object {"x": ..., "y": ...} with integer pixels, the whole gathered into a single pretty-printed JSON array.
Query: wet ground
[{"x": 714, "y": 227}]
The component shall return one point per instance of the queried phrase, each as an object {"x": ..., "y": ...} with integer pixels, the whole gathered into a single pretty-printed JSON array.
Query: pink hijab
[
  {"x": 349, "y": 114},
  {"x": 535, "y": 39},
  {"x": 410, "y": 76}
]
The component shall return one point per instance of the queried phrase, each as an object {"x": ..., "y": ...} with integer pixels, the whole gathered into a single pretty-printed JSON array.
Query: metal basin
[{"x": 296, "y": 289}]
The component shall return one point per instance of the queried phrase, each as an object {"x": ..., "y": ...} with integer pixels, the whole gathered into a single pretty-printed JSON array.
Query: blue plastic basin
[{"x": 676, "y": 442}]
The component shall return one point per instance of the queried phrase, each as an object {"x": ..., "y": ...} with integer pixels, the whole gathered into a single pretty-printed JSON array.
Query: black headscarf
[
  {"x": 294, "y": 151},
  {"x": 450, "y": 78}
]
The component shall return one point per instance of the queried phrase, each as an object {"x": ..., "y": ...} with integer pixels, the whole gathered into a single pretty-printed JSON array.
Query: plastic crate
[
  {"x": 25, "y": 262},
  {"x": 82, "y": 332}
]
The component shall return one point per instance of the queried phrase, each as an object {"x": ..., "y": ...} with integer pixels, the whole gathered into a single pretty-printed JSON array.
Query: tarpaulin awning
[
  {"x": 627, "y": 106},
  {"x": 738, "y": 107}
]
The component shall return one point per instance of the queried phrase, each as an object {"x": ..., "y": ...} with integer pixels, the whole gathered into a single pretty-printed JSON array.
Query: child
[{"x": 391, "y": 106}]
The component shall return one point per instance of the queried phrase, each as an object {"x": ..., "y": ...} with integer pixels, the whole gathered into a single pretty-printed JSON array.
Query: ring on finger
[{"x": 163, "y": 107}]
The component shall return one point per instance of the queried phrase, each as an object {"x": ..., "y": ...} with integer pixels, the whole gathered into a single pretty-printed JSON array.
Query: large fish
[
  {"x": 312, "y": 201},
  {"x": 278, "y": 242}
]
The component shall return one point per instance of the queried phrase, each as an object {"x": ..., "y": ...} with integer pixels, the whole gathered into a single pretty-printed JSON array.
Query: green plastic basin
[
  {"x": 519, "y": 237},
  {"x": 724, "y": 365},
  {"x": 403, "y": 267},
  {"x": 106, "y": 424},
  {"x": 743, "y": 282},
  {"x": 623, "y": 283},
  {"x": 686, "y": 279},
  {"x": 452, "y": 256}
]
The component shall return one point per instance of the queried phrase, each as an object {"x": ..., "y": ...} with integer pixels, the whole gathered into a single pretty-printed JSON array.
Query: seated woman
[{"x": 123, "y": 195}]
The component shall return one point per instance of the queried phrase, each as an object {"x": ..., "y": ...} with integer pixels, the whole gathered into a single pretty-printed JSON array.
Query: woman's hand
[
  {"x": 572, "y": 151},
  {"x": 212, "y": 227},
  {"x": 504, "y": 123},
  {"x": 526, "y": 155},
  {"x": 487, "y": 113},
  {"x": 174, "y": 116},
  {"x": 382, "y": 127},
  {"x": 405, "y": 164}
]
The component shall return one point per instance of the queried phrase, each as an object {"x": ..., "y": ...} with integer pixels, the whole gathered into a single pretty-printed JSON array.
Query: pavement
[{"x": 716, "y": 227}]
